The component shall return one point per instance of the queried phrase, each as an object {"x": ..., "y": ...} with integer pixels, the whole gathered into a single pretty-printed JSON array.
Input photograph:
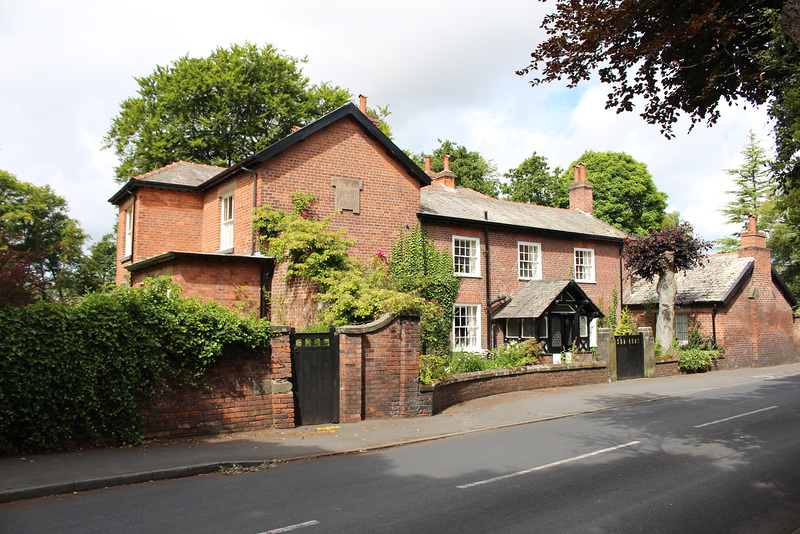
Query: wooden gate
[
  {"x": 315, "y": 377},
  {"x": 630, "y": 356}
]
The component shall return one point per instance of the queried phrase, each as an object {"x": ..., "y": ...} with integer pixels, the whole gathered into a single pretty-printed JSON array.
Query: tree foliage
[
  {"x": 685, "y": 57},
  {"x": 19, "y": 283},
  {"x": 753, "y": 195},
  {"x": 35, "y": 222},
  {"x": 471, "y": 169},
  {"x": 97, "y": 270},
  {"x": 644, "y": 256},
  {"x": 533, "y": 182},
  {"x": 216, "y": 110},
  {"x": 625, "y": 195}
]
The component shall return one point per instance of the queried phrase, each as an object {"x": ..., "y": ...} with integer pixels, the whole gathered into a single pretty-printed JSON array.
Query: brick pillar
[
  {"x": 280, "y": 375},
  {"x": 351, "y": 381}
]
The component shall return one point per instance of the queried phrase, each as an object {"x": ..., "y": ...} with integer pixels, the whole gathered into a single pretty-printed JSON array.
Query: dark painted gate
[
  {"x": 630, "y": 356},
  {"x": 315, "y": 378}
]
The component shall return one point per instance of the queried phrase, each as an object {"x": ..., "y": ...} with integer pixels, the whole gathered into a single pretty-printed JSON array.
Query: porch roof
[{"x": 536, "y": 296}]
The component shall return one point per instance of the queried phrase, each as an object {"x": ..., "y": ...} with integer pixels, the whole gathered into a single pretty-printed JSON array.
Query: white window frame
[
  {"x": 471, "y": 262},
  {"x": 584, "y": 266},
  {"x": 593, "y": 332},
  {"x": 129, "y": 231},
  {"x": 226, "y": 222},
  {"x": 467, "y": 336},
  {"x": 529, "y": 260},
  {"x": 682, "y": 320}
]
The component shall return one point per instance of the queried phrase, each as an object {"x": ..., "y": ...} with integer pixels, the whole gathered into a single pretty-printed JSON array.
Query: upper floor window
[
  {"x": 465, "y": 256},
  {"x": 466, "y": 327},
  {"x": 529, "y": 260},
  {"x": 129, "y": 231},
  {"x": 226, "y": 230},
  {"x": 584, "y": 265}
]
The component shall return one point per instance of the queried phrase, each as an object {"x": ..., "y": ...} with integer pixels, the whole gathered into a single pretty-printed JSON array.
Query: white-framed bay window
[
  {"x": 467, "y": 327},
  {"x": 584, "y": 265},
  {"x": 466, "y": 260},
  {"x": 529, "y": 260}
]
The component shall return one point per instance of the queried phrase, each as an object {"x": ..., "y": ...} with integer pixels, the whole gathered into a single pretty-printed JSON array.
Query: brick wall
[
  {"x": 231, "y": 283},
  {"x": 468, "y": 386},
  {"x": 557, "y": 262},
  {"x": 164, "y": 220},
  {"x": 244, "y": 392},
  {"x": 379, "y": 369}
]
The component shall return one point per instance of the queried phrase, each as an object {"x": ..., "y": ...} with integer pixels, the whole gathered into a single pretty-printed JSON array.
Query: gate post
[
  {"x": 649, "y": 351},
  {"x": 607, "y": 352}
]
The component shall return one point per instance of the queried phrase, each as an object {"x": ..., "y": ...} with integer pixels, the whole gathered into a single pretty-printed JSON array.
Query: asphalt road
[{"x": 726, "y": 460}]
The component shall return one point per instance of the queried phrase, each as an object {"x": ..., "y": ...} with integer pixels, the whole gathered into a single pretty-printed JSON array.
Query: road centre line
[
  {"x": 292, "y": 527},
  {"x": 734, "y": 417},
  {"x": 547, "y": 466}
]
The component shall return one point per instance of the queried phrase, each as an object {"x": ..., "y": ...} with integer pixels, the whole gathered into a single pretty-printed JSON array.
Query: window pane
[
  {"x": 466, "y": 328},
  {"x": 584, "y": 264},
  {"x": 512, "y": 328},
  {"x": 584, "y": 326},
  {"x": 681, "y": 328},
  {"x": 226, "y": 230},
  {"x": 528, "y": 260},
  {"x": 465, "y": 256},
  {"x": 529, "y": 327}
]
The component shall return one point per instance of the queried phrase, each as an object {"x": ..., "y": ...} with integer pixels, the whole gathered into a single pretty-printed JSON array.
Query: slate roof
[
  {"x": 533, "y": 298},
  {"x": 181, "y": 174},
  {"x": 715, "y": 280},
  {"x": 466, "y": 205}
]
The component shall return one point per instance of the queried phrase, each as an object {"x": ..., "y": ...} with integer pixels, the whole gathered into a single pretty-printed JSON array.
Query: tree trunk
[
  {"x": 790, "y": 20},
  {"x": 667, "y": 291}
]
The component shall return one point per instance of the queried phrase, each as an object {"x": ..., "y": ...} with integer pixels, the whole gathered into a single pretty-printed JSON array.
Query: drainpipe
[
  {"x": 255, "y": 200},
  {"x": 489, "y": 344},
  {"x": 714, "y": 323}
]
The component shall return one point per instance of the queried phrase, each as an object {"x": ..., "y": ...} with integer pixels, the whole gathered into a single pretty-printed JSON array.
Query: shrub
[
  {"x": 697, "y": 360},
  {"x": 84, "y": 369},
  {"x": 519, "y": 354},
  {"x": 467, "y": 362},
  {"x": 431, "y": 368},
  {"x": 626, "y": 326}
]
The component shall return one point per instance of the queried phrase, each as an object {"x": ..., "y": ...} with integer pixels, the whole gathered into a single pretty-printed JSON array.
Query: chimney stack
[
  {"x": 753, "y": 239},
  {"x": 446, "y": 177},
  {"x": 362, "y": 106},
  {"x": 581, "y": 191}
]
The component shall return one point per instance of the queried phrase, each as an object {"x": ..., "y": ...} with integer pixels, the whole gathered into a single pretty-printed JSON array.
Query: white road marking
[
  {"x": 547, "y": 466},
  {"x": 292, "y": 527},
  {"x": 734, "y": 417}
]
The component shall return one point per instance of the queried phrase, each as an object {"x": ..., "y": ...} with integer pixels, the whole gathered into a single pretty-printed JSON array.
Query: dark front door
[
  {"x": 630, "y": 356},
  {"x": 560, "y": 332},
  {"x": 315, "y": 378}
]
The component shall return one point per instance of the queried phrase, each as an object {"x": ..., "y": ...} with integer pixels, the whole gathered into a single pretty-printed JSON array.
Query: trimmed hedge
[{"x": 83, "y": 369}]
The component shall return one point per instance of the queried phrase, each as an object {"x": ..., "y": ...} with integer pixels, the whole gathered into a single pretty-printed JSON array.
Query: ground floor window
[
  {"x": 466, "y": 327},
  {"x": 521, "y": 328},
  {"x": 682, "y": 328}
]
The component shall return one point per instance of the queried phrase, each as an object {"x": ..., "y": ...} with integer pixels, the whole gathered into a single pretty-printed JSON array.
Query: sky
[{"x": 446, "y": 69}]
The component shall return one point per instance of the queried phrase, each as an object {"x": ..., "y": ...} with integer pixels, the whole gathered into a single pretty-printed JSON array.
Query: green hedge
[{"x": 83, "y": 369}]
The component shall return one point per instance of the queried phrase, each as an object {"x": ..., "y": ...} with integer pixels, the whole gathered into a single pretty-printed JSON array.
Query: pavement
[{"x": 25, "y": 476}]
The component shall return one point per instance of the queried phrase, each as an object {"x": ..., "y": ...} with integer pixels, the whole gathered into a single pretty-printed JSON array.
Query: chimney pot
[
  {"x": 575, "y": 168},
  {"x": 583, "y": 171},
  {"x": 362, "y": 103},
  {"x": 427, "y": 164},
  {"x": 295, "y": 128},
  {"x": 752, "y": 222},
  {"x": 446, "y": 162}
]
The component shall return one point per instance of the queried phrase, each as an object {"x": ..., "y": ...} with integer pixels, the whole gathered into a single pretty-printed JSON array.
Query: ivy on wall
[{"x": 85, "y": 368}]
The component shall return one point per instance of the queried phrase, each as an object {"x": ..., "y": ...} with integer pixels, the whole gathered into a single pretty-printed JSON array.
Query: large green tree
[
  {"x": 216, "y": 110},
  {"x": 753, "y": 194},
  {"x": 471, "y": 169},
  {"x": 625, "y": 195},
  {"x": 97, "y": 270},
  {"x": 35, "y": 221},
  {"x": 533, "y": 182}
]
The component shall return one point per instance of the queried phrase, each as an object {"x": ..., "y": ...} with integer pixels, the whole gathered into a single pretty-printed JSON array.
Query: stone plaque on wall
[{"x": 348, "y": 193}]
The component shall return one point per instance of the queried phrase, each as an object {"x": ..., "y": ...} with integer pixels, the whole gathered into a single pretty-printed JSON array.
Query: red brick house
[
  {"x": 193, "y": 223},
  {"x": 739, "y": 299}
]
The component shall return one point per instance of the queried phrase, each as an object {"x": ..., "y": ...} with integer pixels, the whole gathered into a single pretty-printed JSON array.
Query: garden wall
[
  {"x": 468, "y": 386},
  {"x": 243, "y": 392}
]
